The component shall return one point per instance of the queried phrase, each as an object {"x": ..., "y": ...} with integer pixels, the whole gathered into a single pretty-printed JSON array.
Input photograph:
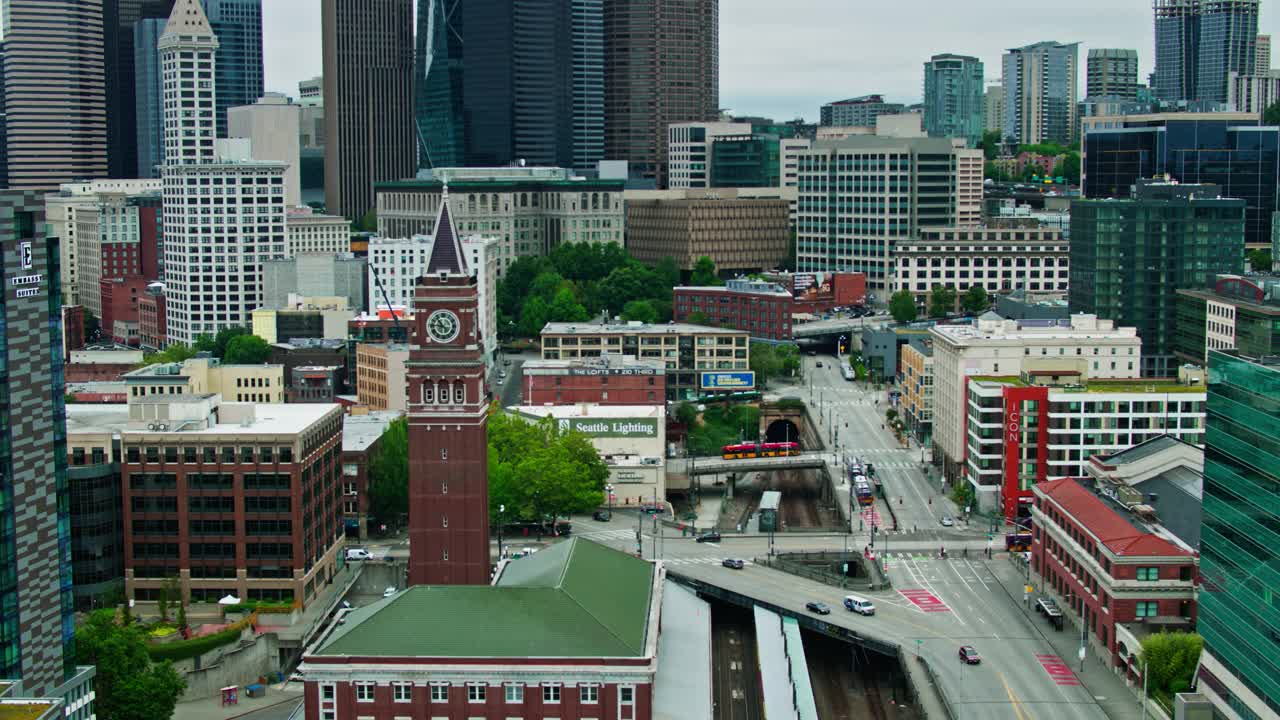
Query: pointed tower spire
[
  {"x": 188, "y": 21},
  {"x": 446, "y": 251}
]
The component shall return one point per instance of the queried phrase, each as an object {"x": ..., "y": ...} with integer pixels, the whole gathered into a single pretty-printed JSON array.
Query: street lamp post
[
  {"x": 502, "y": 509},
  {"x": 609, "y": 489}
]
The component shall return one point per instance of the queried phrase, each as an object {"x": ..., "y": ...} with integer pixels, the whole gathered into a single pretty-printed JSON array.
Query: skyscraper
[
  {"x": 437, "y": 84},
  {"x": 212, "y": 253},
  {"x": 1199, "y": 43},
  {"x": 148, "y": 98},
  {"x": 54, "y": 87},
  {"x": 448, "y": 417},
  {"x": 1040, "y": 93},
  {"x": 953, "y": 100},
  {"x": 238, "y": 68},
  {"x": 1239, "y": 542},
  {"x": 120, "y": 17},
  {"x": 368, "y": 100},
  {"x": 1263, "y": 56},
  {"x": 1112, "y": 73},
  {"x": 534, "y": 83},
  {"x": 37, "y": 627},
  {"x": 662, "y": 66}
]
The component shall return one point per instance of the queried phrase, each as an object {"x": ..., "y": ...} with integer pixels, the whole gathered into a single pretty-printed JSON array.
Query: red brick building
[
  {"x": 448, "y": 408},
  {"x": 231, "y": 499},
  {"x": 1114, "y": 570},
  {"x": 605, "y": 380},
  {"x": 152, "y": 330},
  {"x": 571, "y": 633},
  {"x": 817, "y": 293},
  {"x": 72, "y": 329},
  {"x": 758, "y": 308},
  {"x": 120, "y": 298}
]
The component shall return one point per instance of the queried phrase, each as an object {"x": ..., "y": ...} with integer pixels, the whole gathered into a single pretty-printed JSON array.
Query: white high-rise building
[
  {"x": 399, "y": 262},
  {"x": 224, "y": 214}
]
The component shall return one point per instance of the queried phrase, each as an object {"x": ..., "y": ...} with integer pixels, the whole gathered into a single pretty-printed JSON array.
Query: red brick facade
[
  {"x": 120, "y": 298},
  {"x": 255, "y": 515},
  {"x": 424, "y": 702},
  {"x": 608, "y": 386},
  {"x": 72, "y": 330},
  {"x": 1105, "y": 569},
  {"x": 152, "y": 330},
  {"x": 761, "y": 315}
]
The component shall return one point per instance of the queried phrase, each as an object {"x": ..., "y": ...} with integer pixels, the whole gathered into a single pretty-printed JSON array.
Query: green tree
[
  {"x": 182, "y": 614},
  {"x": 975, "y": 299},
  {"x": 902, "y": 306},
  {"x": 697, "y": 317},
  {"x": 704, "y": 273},
  {"x": 1069, "y": 168},
  {"x": 942, "y": 300},
  {"x": 174, "y": 353},
  {"x": 686, "y": 414},
  {"x": 247, "y": 350},
  {"x": 769, "y": 361},
  {"x": 1169, "y": 659},
  {"x": 668, "y": 273},
  {"x": 1271, "y": 116},
  {"x": 389, "y": 474},
  {"x": 566, "y": 308},
  {"x": 641, "y": 311},
  {"x": 540, "y": 472},
  {"x": 533, "y": 316},
  {"x": 630, "y": 282},
  {"x": 1259, "y": 260},
  {"x": 368, "y": 222},
  {"x": 517, "y": 279},
  {"x": 128, "y": 685},
  {"x": 990, "y": 144}
]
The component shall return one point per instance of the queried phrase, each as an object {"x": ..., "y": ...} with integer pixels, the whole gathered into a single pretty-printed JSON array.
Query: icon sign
[{"x": 27, "y": 256}]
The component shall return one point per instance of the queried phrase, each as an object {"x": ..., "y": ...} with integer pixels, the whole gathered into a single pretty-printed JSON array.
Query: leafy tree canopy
[
  {"x": 641, "y": 311},
  {"x": 1271, "y": 116},
  {"x": 389, "y": 474},
  {"x": 769, "y": 361},
  {"x": 247, "y": 350},
  {"x": 1259, "y": 260},
  {"x": 902, "y": 306},
  {"x": 942, "y": 300},
  {"x": 540, "y": 472},
  {"x": 975, "y": 299},
  {"x": 704, "y": 273},
  {"x": 128, "y": 685},
  {"x": 1170, "y": 659}
]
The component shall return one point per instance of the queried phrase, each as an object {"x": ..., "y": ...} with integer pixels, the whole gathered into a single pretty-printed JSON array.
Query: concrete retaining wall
[{"x": 239, "y": 664}]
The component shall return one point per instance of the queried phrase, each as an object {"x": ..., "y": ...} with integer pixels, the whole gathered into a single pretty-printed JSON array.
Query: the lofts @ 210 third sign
[{"x": 611, "y": 427}]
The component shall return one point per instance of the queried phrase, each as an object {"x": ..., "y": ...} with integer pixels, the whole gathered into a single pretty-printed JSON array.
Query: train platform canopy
[
  {"x": 682, "y": 686},
  {"x": 574, "y": 599}
]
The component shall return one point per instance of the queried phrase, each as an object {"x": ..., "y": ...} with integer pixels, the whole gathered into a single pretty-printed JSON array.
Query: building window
[
  {"x": 589, "y": 694},
  {"x": 364, "y": 692},
  {"x": 1148, "y": 573},
  {"x": 475, "y": 693},
  {"x": 515, "y": 693},
  {"x": 327, "y": 691},
  {"x": 439, "y": 693},
  {"x": 402, "y": 692},
  {"x": 550, "y": 693},
  {"x": 1145, "y": 609}
]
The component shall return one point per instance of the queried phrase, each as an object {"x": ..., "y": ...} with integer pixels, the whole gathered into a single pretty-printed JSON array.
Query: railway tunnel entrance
[{"x": 782, "y": 431}]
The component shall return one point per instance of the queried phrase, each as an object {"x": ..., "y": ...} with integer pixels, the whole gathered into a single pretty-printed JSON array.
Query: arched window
[
  {"x": 459, "y": 393},
  {"x": 428, "y": 393}
]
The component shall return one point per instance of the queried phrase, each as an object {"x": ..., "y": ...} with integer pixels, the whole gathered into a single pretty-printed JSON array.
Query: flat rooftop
[
  {"x": 724, "y": 289},
  {"x": 1126, "y": 385},
  {"x": 589, "y": 410},
  {"x": 240, "y": 418},
  {"x": 993, "y": 328},
  {"x": 604, "y": 363},
  {"x": 92, "y": 419},
  {"x": 361, "y": 431},
  {"x": 588, "y": 328}
]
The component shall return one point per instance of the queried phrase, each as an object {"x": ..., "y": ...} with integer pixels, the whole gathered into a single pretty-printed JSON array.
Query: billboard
[
  {"x": 611, "y": 427},
  {"x": 736, "y": 380}
]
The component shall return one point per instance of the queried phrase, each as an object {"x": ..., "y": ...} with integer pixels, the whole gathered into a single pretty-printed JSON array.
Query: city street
[{"x": 850, "y": 416}]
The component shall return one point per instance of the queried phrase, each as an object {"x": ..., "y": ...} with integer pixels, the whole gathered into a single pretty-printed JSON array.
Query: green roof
[
  {"x": 574, "y": 599},
  {"x": 1120, "y": 385}
]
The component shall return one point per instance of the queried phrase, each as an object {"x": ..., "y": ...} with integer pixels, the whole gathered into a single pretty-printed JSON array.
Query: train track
[
  {"x": 875, "y": 705},
  {"x": 800, "y": 499}
]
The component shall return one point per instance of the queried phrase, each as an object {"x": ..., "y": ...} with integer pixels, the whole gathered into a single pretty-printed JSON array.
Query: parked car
[
  {"x": 819, "y": 363},
  {"x": 733, "y": 563},
  {"x": 947, "y": 521},
  {"x": 969, "y": 656},
  {"x": 712, "y": 536},
  {"x": 391, "y": 590},
  {"x": 601, "y": 516},
  {"x": 652, "y": 509},
  {"x": 359, "y": 554},
  {"x": 817, "y": 607}
]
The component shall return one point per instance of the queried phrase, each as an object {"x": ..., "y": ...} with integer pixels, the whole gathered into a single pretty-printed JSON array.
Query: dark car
[
  {"x": 969, "y": 656},
  {"x": 709, "y": 537},
  {"x": 817, "y": 607},
  {"x": 651, "y": 509},
  {"x": 733, "y": 563},
  {"x": 601, "y": 516},
  {"x": 819, "y": 363}
]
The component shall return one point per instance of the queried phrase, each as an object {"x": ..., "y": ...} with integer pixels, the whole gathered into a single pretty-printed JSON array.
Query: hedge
[
  {"x": 186, "y": 649},
  {"x": 283, "y": 608}
]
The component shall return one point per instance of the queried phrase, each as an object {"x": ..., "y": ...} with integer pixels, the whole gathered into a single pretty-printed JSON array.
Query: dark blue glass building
[
  {"x": 238, "y": 67},
  {"x": 438, "y": 84},
  {"x": 1234, "y": 152}
]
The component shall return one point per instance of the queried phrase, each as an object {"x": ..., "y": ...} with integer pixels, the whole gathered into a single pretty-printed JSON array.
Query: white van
[
  {"x": 359, "y": 554},
  {"x": 860, "y": 605}
]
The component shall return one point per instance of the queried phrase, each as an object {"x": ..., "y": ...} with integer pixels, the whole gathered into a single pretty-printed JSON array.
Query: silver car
[{"x": 947, "y": 521}]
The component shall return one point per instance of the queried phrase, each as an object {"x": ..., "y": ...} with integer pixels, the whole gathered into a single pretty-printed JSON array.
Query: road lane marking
[
  {"x": 925, "y": 600},
  {"x": 1017, "y": 704},
  {"x": 1058, "y": 670}
]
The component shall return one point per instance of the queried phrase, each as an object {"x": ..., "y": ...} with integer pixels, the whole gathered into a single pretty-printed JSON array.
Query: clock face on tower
[{"x": 443, "y": 326}]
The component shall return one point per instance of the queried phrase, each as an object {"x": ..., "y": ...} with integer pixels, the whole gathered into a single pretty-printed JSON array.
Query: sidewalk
[
  {"x": 278, "y": 703},
  {"x": 1117, "y": 699}
]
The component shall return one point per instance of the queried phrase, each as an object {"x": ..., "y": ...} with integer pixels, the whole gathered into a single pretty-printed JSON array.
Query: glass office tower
[
  {"x": 1240, "y": 537},
  {"x": 438, "y": 84}
]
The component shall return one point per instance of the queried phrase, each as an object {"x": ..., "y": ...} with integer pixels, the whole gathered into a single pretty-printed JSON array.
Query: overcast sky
[{"x": 785, "y": 59}]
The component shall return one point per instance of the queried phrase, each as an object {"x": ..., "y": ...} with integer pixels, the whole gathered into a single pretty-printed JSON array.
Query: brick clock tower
[{"x": 448, "y": 422}]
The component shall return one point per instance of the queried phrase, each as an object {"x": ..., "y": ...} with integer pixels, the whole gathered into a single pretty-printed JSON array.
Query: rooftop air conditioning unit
[{"x": 151, "y": 426}]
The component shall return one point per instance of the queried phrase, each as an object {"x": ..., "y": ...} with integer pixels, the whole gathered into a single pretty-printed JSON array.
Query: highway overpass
[
  {"x": 833, "y": 328},
  {"x": 720, "y": 466}
]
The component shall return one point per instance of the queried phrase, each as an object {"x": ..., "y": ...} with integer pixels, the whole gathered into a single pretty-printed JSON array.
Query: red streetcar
[{"x": 752, "y": 450}]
